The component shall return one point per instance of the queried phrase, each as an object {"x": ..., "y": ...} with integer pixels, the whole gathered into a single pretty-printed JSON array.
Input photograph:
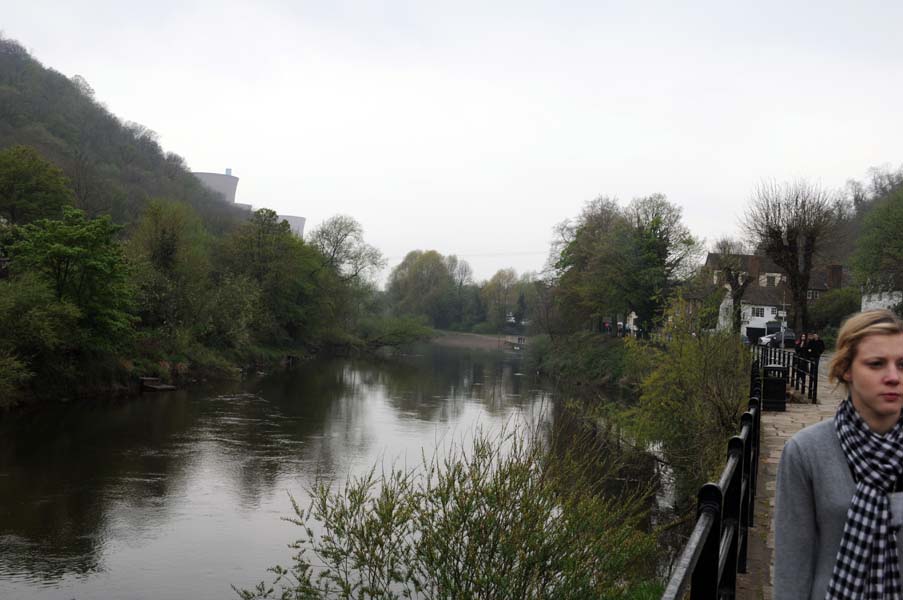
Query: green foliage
[
  {"x": 293, "y": 280},
  {"x": 40, "y": 336},
  {"x": 833, "y": 307},
  {"x": 85, "y": 266},
  {"x": 422, "y": 285},
  {"x": 31, "y": 187},
  {"x": 692, "y": 399},
  {"x": 878, "y": 260},
  {"x": 499, "y": 518},
  {"x": 234, "y": 307},
  {"x": 13, "y": 376},
  {"x": 585, "y": 362},
  {"x": 169, "y": 250},
  {"x": 616, "y": 260},
  {"x": 379, "y": 332},
  {"x": 115, "y": 167}
]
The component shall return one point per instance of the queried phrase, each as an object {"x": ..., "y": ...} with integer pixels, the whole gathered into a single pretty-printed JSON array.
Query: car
[{"x": 774, "y": 340}]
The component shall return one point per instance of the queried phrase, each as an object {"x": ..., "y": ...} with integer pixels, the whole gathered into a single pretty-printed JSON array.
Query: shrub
[
  {"x": 503, "y": 517},
  {"x": 692, "y": 400},
  {"x": 583, "y": 360}
]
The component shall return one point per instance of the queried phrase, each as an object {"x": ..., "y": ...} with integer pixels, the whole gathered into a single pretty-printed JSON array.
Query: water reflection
[{"x": 178, "y": 495}]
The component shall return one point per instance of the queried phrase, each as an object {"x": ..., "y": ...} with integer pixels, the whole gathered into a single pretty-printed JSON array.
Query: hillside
[{"x": 115, "y": 167}]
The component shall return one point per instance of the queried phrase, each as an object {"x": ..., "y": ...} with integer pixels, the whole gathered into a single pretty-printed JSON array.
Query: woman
[
  {"x": 838, "y": 506},
  {"x": 799, "y": 347}
]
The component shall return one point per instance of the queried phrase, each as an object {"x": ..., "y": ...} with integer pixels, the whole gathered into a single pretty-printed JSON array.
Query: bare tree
[
  {"x": 734, "y": 275},
  {"x": 341, "y": 240},
  {"x": 791, "y": 223}
]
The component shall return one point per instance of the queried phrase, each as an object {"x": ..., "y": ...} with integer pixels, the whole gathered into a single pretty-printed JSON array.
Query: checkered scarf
[{"x": 867, "y": 565}]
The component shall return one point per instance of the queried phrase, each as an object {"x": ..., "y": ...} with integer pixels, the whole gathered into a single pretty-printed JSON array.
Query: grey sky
[{"x": 473, "y": 129}]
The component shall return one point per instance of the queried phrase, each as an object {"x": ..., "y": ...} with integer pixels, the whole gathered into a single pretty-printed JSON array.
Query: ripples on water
[{"x": 178, "y": 495}]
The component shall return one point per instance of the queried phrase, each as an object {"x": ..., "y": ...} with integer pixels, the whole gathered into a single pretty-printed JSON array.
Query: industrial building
[{"x": 226, "y": 185}]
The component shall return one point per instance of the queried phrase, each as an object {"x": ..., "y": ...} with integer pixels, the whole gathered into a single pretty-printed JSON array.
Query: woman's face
[{"x": 875, "y": 378}]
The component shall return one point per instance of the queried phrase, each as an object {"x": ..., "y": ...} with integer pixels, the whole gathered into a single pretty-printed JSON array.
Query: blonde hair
[{"x": 853, "y": 330}]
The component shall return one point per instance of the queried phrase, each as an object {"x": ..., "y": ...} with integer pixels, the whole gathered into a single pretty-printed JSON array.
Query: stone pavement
[{"x": 777, "y": 428}]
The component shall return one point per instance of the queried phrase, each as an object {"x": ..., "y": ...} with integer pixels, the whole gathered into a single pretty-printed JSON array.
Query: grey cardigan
[{"x": 814, "y": 490}]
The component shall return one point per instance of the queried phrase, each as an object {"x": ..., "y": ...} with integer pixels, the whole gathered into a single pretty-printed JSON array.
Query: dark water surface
[{"x": 179, "y": 495}]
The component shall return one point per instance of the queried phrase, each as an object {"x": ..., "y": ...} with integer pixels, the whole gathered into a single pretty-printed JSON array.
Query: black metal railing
[
  {"x": 802, "y": 372},
  {"x": 716, "y": 550}
]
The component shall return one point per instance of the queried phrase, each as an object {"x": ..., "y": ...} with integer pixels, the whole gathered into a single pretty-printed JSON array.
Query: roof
[
  {"x": 819, "y": 278},
  {"x": 767, "y": 296},
  {"x": 761, "y": 264}
]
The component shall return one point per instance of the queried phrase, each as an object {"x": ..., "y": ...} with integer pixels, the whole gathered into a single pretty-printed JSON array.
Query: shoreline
[{"x": 474, "y": 341}]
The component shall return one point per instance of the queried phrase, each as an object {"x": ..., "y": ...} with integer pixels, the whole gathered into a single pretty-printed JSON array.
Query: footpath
[{"x": 777, "y": 428}]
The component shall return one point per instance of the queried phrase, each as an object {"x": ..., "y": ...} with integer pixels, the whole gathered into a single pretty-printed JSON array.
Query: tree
[
  {"x": 663, "y": 253},
  {"x": 39, "y": 338},
  {"x": 582, "y": 255},
  {"x": 730, "y": 261},
  {"x": 620, "y": 260},
  {"x": 85, "y": 266},
  {"x": 422, "y": 285},
  {"x": 833, "y": 307},
  {"x": 878, "y": 261},
  {"x": 341, "y": 241},
  {"x": 31, "y": 187},
  {"x": 499, "y": 295},
  {"x": 169, "y": 250},
  {"x": 791, "y": 223},
  {"x": 289, "y": 275}
]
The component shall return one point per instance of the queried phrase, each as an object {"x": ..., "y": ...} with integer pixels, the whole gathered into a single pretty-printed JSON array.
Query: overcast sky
[{"x": 472, "y": 128}]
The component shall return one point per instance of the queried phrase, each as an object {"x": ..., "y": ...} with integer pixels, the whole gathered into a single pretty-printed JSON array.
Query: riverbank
[{"x": 473, "y": 341}]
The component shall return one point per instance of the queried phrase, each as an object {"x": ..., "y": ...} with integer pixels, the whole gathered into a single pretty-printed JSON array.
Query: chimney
[
  {"x": 755, "y": 265},
  {"x": 228, "y": 171},
  {"x": 835, "y": 276}
]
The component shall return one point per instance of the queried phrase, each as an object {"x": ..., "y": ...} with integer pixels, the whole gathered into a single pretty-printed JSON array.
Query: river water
[{"x": 179, "y": 495}]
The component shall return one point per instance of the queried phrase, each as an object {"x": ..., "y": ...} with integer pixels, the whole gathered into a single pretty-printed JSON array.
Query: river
[{"x": 178, "y": 495}]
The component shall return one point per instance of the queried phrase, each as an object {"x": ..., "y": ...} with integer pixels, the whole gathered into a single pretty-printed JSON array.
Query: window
[
  {"x": 774, "y": 310},
  {"x": 758, "y": 311},
  {"x": 811, "y": 294},
  {"x": 769, "y": 280}
]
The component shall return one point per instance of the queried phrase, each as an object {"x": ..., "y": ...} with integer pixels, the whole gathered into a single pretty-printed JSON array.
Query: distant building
[
  {"x": 887, "y": 299},
  {"x": 226, "y": 184},
  {"x": 767, "y": 298},
  {"x": 296, "y": 223}
]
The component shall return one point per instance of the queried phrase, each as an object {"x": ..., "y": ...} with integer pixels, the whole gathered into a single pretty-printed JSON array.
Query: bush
[
  {"x": 584, "y": 361},
  {"x": 691, "y": 402},
  {"x": 13, "y": 376},
  {"x": 484, "y": 328},
  {"x": 833, "y": 307},
  {"x": 501, "y": 518}
]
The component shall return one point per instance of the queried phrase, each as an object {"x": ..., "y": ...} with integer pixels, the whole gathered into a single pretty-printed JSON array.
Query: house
[
  {"x": 886, "y": 299},
  {"x": 767, "y": 298}
]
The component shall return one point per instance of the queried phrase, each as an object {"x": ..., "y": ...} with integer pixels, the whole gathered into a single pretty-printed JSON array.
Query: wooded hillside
[{"x": 115, "y": 167}]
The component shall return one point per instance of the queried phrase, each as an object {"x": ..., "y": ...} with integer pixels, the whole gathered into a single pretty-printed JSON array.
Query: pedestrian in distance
[
  {"x": 799, "y": 347},
  {"x": 815, "y": 347},
  {"x": 839, "y": 500}
]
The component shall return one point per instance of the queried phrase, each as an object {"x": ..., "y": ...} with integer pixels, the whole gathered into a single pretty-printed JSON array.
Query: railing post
[
  {"x": 805, "y": 370},
  {"x": 755, "y": 407},
  {"x": 813, "y": 380},
  {"x": 704, "y": 584},
  {"x": 733, "y": 503},
  {"x": 746, "y": 505},
  {"x": 794, "y": 371}
]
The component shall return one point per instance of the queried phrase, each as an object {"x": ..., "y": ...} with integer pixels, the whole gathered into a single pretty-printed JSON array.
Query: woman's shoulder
[{"x": 814, "y": 438}]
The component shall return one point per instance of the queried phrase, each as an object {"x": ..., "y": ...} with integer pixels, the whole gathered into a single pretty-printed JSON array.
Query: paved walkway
[{"x": 777, "y": 428}]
